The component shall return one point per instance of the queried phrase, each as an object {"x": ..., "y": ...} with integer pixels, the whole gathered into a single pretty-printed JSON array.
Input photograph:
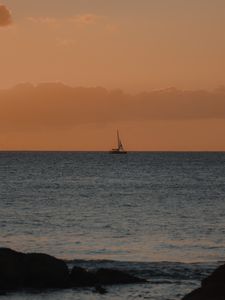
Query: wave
[{"x": 157, "y": 272}]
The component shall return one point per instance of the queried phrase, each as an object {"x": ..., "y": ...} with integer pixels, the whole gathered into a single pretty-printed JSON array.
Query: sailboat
[{"x": 119, "y": 149}]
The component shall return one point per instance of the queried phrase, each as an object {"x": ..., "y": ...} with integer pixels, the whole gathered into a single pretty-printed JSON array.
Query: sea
[{"x": 157, "y": 215}]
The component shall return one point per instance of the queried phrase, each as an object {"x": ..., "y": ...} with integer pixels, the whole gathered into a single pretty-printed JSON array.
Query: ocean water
[{"x": 157, "y": 215}]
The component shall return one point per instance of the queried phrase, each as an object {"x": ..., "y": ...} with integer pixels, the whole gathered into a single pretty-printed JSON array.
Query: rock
[
  {"x": 12, "y": 271},
  {"x": 111, "y": 276},
  {"x": 206, "y": 293},
  {"x": 19, "y": 270},
  {"x": 45, "y": 271},
  {"x": 3, "y": 292},
  {"x": 82, "y": 277},
  {"x": 212, "y": 287},
  {"x": 37, "y": 270},
  {"x": 100, "y": 290},
  {"x": 216, "y": 278}
]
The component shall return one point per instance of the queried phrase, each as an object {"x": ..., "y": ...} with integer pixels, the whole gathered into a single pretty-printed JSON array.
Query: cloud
[
  {"x": 86, "y": 19},
  {"x": 45, "y": 21},
  {"x": 42, "y": 20},
  {"x": 5, "y": 16},
  {"x": 54, "y": 105}
]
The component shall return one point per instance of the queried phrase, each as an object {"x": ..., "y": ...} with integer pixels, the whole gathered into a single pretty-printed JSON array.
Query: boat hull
[{"x": 118, "y": 152}]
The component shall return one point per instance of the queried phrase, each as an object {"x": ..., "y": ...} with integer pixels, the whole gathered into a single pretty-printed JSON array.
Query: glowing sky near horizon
[{"x": 135, "y": 45}]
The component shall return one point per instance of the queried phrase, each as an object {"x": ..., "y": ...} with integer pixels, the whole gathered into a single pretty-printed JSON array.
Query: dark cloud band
[{"x": 54, "y": 105}]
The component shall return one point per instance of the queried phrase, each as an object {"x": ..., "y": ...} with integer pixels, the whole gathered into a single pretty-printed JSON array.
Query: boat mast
[{"x": 120, "y": 146}]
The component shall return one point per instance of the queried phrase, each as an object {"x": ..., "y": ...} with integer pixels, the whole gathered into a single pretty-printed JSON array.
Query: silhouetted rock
[
  {"x": 40, "y": 271},
  {"x": 2, "y": 292},
  {"x": 45, "y": 271},
  {"x": 99, "y": 289},
  {"x": 111, "y": 276},
  {"x": 216, "y": 278},
  {"x": 212, "y": 288},
  {"x": 81, "y": 277},
  {"x": 19, "y": 270},
  {"x": 12, "y": 271},
  {"x": 207, "y": 293}
]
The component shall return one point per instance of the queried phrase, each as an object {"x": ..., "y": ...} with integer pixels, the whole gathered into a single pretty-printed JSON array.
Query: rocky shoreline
[
  {"x": 42, "y": 271},
  {"x": 212, "y": 287},
  {"x": 39, "y": 271}
]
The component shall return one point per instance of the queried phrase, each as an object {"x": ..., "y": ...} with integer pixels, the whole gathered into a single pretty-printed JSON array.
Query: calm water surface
[{"x": 162, "y": 212}]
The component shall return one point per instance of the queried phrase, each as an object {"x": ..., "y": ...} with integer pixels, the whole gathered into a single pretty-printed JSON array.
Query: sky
[{"x": 132, "y": 48}]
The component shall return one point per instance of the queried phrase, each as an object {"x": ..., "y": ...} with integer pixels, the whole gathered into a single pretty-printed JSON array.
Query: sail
[{"x": 120, "y": 146}]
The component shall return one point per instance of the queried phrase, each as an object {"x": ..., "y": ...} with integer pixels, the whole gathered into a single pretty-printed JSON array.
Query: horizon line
[{"x": 107, "y": 151}]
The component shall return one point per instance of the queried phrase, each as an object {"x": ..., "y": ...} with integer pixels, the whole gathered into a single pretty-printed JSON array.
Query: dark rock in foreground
[
  {"x": 42, "y": 271},
  {"x": 81, "y": 277},
  {"x": 216, "y": 278},
  {"x": 45, "y": 271},
  {"x": 100, "y": 290},
  {"x": 32, "y": 270},
  {"x": 12, "y": 272},
  {"x": 212, "y": 287}
]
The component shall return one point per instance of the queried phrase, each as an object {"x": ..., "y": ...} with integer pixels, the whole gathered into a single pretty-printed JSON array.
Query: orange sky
[{"x": 133, "y": 45}]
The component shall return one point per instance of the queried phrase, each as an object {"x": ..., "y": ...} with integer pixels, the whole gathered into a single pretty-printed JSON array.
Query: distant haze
[{"x": 53, "y": 116}]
